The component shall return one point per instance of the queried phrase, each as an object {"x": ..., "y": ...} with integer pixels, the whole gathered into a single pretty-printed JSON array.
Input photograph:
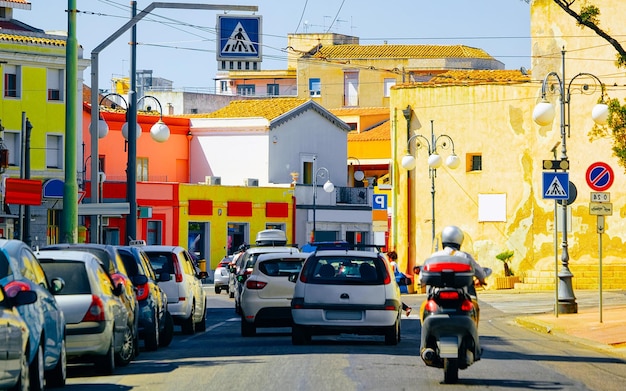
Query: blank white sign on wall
[{"x": 492, "y": 207}]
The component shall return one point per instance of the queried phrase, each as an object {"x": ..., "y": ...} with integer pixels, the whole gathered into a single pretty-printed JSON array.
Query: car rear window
[
  {"x": 73, "y": 273},
  {"x": 130, "y": 263},
  {"x": 161, "y": 262},
  {"x": 344, "y": 270},
  {"x": 5, "y": 270},
  {"x": 282, "y": 267}
]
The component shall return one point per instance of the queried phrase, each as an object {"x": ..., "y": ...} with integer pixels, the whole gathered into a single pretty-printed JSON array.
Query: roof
[
  {"x": 381, "y": 132},
  {"x": 360, "y": 111},
  {"x": 269, "y": 108},
  {"x": 19, "y": 4},
  {"x": 475, "y": 77},
  {"x": 400, "y": 51},
  {"x": 275, "y": 110},
  {"x": 39, "y": 39}
]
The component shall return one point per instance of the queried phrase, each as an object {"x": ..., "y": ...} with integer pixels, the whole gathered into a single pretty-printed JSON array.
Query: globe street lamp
[
  {"x": 321, "y": 172},
  {"x": 434, "y": 161},
  {"x": 543, "y": 114},
  {"x": 159, "y": 132}
]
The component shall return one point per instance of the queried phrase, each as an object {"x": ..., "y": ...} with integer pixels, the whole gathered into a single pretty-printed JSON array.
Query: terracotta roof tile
[
  {"x": 474, "y": 77},
  {"x": 380, "y": 133},
  {"x": 268, "y": 108},
  {"x": 18, "y": 38},
  {"x": 343, "y": 111},
  {"x": 400, "y": 51}
]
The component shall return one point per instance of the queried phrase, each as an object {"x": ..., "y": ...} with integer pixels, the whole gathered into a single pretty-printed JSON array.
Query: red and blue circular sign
[{"x": 600, "y": 176}]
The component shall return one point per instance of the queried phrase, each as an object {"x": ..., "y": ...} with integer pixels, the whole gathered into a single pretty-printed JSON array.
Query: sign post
[{"x": 600, "y": 178}]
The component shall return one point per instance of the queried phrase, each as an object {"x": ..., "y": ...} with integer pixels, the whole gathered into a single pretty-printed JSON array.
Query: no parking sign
[{"x": 600, "y": 176}]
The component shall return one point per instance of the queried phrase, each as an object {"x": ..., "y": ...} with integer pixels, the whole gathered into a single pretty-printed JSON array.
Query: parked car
[
  {"x": 98, "y": 321},
  {"x": 267, "y": 292},
  {"x": 156, "y": 325},
  {"x": 222, "y": 275},
  {"x": 21, "y": 271},
  {"x": 14, "y": 341},
  {"x": 109, "y": 257},
  {"x": 186, "y": 299},
  {"x": 345, "y": 291}
]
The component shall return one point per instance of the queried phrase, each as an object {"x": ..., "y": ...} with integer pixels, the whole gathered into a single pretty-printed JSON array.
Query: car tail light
[
  {"x": 13, "y": 287},
  {"x": 254, "y": 284},
  {"x": 143, "y": 291},
  {"x": 467, "y": 305},
  {"x": 247, "y": 272},
  {"x": 118, "y": 279},
  {"x": 177, "y": 272},
  {"x": 449, "y": 295},
  {"x": 95, "y": 313}
]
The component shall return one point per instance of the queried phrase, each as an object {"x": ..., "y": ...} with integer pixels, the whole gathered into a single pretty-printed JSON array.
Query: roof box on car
[
  {"x": 271, "y": 237},
  {"x": 447, "y": 271}
]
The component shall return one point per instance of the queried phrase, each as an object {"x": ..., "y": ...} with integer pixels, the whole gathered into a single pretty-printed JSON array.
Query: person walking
[{"x": 393, "y": 256}]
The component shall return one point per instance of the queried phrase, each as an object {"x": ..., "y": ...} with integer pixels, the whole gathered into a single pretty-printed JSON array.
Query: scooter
[{"x": 449, "y": 316}]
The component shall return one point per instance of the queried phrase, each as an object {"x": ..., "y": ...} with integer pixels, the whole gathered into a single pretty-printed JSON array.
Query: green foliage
[
  {"x": 589, "y": 14},
  {"x": 505, "y": 257},
  {"x": 617, "y": 124}
]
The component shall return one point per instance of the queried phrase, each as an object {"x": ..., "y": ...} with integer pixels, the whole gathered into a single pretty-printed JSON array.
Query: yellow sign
[{"x": 601, "y": 208}]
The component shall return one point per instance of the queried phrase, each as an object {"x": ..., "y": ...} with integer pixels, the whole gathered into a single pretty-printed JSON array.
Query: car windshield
[
  {"x": 73, "y": 273},
  {"x": 344, "y": 270},
  {"x": 161, "y": 262}
]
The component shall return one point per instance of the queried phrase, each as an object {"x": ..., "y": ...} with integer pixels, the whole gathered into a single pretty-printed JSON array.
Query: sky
[{"x": 180, "y": 45}]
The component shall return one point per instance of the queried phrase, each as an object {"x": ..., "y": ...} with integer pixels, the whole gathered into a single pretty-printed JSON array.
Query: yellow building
[{"x": 496, "y": 196}]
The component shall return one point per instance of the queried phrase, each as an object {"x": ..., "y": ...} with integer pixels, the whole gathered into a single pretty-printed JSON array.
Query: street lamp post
[
  {"x": 543, "y": 114},
  {"x": 434, "y": 162},
  {"x": 131, "y": 132},
  {"x": 328, "y": 188}
]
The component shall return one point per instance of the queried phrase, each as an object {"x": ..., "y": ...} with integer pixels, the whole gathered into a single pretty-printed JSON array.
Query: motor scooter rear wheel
[{"x": 450, "y": 370}]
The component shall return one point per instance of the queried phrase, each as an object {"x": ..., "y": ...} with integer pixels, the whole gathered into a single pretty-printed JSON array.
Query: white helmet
[{"x": 452, "y": 234}]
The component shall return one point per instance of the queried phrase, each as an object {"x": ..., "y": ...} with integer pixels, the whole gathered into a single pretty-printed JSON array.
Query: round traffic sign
[{"x": 600, "y": 176}]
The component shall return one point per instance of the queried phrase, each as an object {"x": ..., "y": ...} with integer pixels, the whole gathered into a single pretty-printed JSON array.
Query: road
[{"x": 514, "y": 359}]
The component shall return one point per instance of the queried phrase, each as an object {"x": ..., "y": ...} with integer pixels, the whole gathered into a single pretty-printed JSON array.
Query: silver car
[
  {"x": 346, "y": 291},
  {"x": 97, "y": 319},
  {"x": 222, "y": 275}
]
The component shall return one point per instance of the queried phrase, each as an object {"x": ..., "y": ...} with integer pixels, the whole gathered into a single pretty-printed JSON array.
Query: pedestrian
[{"x": 393, "y": 256}]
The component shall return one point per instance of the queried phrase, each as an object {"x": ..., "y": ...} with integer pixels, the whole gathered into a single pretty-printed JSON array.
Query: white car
[
  {"x": 346, "y": 292},
  {"x": 221, "y": 275},
  {"x": 266, "y": 292},
  {"x": 186, "y": 300}
]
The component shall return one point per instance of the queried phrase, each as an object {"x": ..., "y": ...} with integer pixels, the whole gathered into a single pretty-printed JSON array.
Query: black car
[
  {"x": 112, "y": 262},
  {"x": 156, "y": 325}
]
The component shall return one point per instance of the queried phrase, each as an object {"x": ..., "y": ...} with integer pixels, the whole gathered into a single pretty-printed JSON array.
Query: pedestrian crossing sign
[
  {"x": 239, "y": 38},
  {"x": 556, "y": 185}
]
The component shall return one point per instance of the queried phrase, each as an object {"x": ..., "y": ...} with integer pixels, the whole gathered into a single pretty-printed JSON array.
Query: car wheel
[
  {"x": 248, "y": 329},
  {"x": 151, "y": 339},
  {"x": 165, "y": 337},
  {"x": 218, "y": 290},
  {"x": 58, "y": 375},
  {"x": 392, "y": 335},
  {"x": 300, "y": 335},
  {"x": 23, "y": 382},
  {"x": 201, "y": 325},
  {"x": 189, "y": 326},
  {"x": 36, "y": 370},
  {"x": 106, "y": 364},
  {"x": 125, "y": 355}
]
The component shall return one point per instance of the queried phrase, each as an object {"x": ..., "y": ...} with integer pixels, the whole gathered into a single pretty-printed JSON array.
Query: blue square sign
[{"x": 556, "y": 185}]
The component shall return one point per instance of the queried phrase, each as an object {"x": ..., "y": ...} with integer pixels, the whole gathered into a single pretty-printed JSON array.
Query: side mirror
[
  {"x": 163, "y": 277},
  {"x": 202, "y": 275},
  {"x": 140, "y": 280},
  {"x": 56, "y": 285},
  {"x": 118, "y": 290},
  {"x": 24, "y": 297},
  {"x": 293, "y": 277}
]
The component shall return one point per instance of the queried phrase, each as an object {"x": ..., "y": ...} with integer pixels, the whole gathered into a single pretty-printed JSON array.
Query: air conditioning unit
[
  {"x": 250, "y": 182},
  {"x": 104, "y": 221},
  {"x": 213, "y": 180}
]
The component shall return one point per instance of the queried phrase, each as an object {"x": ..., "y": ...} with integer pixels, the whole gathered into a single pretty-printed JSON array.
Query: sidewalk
[{"x": 583, "y": 327}]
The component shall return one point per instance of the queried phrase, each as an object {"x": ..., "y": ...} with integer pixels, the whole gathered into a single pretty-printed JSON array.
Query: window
[
  {"x": 154, "y": 232},
  {"x": 12, "y": 78},
  {"x": 272, "y": 89},
  {"x": 55, "y": 84},
  {"x": 388, "y": 84},
  {"x": 246, "y": 89},
  {"x": 280, "y": 226},
  {"x": 223, "y": 85},
  {"x": 474, "y": 162},
  {"x": 142, "y": 169},
  {"x": 307, "y": 170},
  {"x": 315, "y": 87},
  {"x": 54, "y": 151},
  {"x": 13, "y": 142}
]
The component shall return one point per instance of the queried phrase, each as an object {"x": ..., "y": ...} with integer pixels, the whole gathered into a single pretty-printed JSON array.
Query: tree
[{"x": 589, "y": 16}]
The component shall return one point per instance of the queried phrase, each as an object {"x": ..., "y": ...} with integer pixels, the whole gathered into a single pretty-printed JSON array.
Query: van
[{"x": 271, "y": 237}]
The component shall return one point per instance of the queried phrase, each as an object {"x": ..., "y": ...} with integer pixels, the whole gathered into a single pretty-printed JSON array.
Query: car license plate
[{"x": 344, "y": 315}]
